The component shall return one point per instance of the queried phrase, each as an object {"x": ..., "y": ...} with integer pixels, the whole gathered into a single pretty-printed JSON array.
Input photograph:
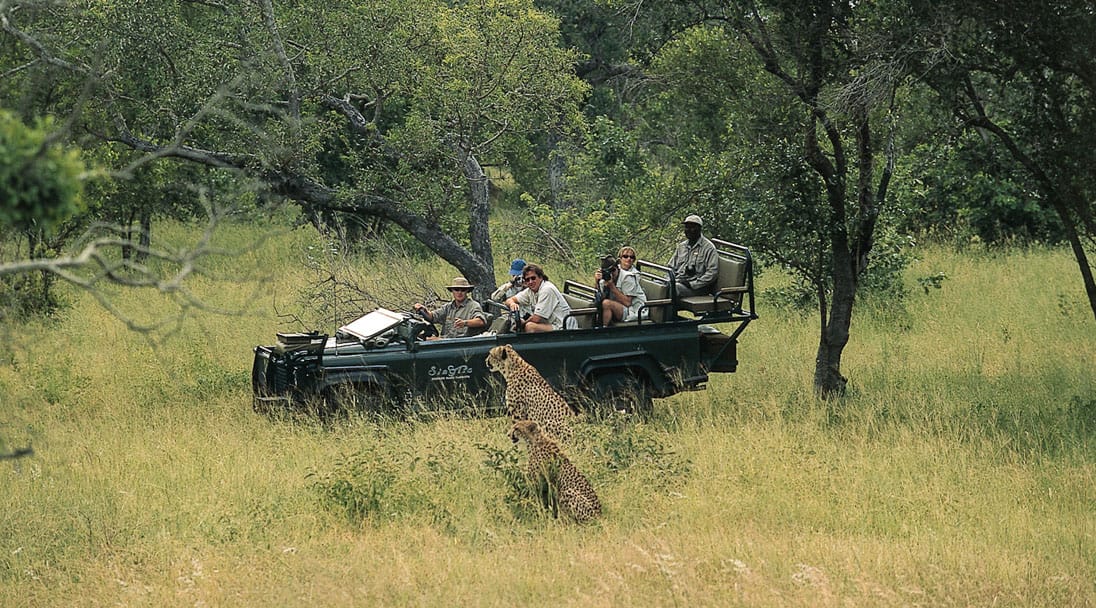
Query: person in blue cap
[{"x": 514, "y": 285}]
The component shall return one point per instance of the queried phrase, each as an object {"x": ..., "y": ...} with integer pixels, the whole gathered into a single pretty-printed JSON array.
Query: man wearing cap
[
  {"x": 695, "y": 262},
  {"x": 507, "y": 290},
  {"x": 458, "y": 316}
]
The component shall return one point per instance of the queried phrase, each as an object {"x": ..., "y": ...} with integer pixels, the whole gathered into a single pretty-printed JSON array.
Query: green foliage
[
  {"x": 1043, "y": 432},
  {"x": 960, "y": 188},
  {"x": 40, "y": 181},
  {"x": 366, "y": 486},
  {"x": 932, "y": 281},
  {"x": 27, "y": 295},
  {"x": 621, "y": 444},
  {"x": 520, "y": 497}
]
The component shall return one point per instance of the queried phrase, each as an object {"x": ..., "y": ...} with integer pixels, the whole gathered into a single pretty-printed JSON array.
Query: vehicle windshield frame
[{"x": 373, "y": 324}]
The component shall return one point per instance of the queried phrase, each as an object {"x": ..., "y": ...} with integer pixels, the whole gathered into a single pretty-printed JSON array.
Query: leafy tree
[
  {"x": 793, "y": 149},
  {"x": 41, "y": 188},
  {"x": 40, "y": 181},
  {"x": 1024, "y": 76},
  {"x": 372, "y": 109}
]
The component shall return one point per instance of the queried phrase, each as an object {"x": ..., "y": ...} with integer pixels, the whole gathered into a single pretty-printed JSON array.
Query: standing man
[
  {"x": 458, "y": 316},
  {"x": 549, "y": 308},
  {"x": 695, "y": 262}
]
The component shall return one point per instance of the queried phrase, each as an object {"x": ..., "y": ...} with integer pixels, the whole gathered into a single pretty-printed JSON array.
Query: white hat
[{"x": 694, "y": 219}]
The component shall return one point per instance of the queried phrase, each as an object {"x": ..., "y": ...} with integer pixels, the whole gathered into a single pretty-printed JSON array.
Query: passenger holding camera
[
  {"x": 514, "y": 285},
  {"x": 458, "y": 316},
  {"x": 622, "y": 296},
  {"x": 695, "y": 262},
  {"x": 550, "y": 309}
]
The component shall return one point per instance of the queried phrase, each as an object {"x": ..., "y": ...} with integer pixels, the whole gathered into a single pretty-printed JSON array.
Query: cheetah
[
  {"x": 559, "y": 484},
  {"x": 528, "y": 394}
]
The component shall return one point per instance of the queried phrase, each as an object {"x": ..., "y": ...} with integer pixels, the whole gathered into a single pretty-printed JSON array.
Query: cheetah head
[
  {"x": 500, "y": 357},
  {"x": 524, "y": 428}
]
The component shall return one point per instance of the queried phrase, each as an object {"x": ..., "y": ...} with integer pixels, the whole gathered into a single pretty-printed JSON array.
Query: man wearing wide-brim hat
[
  {"x": 695, "y": 261},
  {"x": 459, "y": 318}
]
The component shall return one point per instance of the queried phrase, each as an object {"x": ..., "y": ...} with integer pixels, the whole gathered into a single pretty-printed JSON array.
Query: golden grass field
[{"x": 959, "y": 471}]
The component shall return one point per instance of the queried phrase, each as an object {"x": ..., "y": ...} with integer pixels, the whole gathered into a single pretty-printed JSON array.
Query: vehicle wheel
[
  {"x": 622, "y": 391},
  {"x": 343, "y": 399}
]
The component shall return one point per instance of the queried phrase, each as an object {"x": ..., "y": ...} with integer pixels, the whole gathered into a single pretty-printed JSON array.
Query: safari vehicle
[{"x": 383, "y": 359}]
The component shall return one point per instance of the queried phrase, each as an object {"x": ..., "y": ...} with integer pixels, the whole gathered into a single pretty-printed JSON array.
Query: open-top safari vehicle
[{"x": 383, "y": 359}]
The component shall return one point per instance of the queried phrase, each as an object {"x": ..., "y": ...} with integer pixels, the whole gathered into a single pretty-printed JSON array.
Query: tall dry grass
[{"x": 959, "y": 470}]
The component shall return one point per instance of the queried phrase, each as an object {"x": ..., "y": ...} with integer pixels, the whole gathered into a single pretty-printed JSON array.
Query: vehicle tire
[
  {"x": 344, "y": 399},
  {"x": 622, "y": 391}
]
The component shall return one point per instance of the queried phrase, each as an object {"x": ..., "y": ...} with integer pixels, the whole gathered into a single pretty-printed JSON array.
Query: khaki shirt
[
  {"x": 447, "y": 316},
  {"x": 698, "y": 264}
]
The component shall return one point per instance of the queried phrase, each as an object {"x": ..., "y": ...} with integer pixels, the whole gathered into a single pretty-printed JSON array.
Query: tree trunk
[
  {"x": 834, "y": 334},
  {"x": 557, "y": 169},
  {"x": 127, "y": 245},
  {"x": 145, "y": 238},
  {"x": 1082, "y": 264},
  {"x": 478, "y": 230}
]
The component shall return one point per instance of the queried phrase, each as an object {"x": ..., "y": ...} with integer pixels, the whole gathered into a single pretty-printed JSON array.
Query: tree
[
  {"x": 808, "y": 147},
  {"x": 1024, "y": 76},
  {"x": 415, "y": 95}
]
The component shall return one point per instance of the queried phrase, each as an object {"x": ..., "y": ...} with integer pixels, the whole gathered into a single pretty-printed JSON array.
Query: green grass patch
[{"x": 959, "y": 470}]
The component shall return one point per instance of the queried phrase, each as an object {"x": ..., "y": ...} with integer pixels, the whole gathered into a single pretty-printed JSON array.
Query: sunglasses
[
  {"x": 630, "y": 257},
  {"x": 529, "y": 278}
]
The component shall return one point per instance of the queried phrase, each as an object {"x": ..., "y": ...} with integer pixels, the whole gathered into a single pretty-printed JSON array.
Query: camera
[{"x": 609, "y": 268}]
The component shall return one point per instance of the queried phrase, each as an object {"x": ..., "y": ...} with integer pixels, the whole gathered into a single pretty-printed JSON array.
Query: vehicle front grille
[{"x": 277, "y": 376}]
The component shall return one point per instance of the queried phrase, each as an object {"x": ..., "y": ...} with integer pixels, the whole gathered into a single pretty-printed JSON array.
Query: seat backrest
[
  {"x": 585, "y": 321},
  {"x": 501, "y": 325},
  {"x": 655, "y": 290},
  {"x": 732, "y": 273}
]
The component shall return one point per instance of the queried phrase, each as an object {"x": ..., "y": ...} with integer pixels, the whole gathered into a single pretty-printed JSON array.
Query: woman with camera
[{"x": 622, "y": 295}]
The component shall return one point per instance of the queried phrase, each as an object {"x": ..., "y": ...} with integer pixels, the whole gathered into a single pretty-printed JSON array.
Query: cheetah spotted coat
[
  {"x": 560, "y": 485},
  {"x": 528, "y": 394}
]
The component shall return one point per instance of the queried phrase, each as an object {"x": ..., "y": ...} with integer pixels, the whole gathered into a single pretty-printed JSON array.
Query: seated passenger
[
  {"x": 622, "y": 295},
  {"x": 695, "y": 261},
  {"x": 512, "y": 287},
  {"x": 550, "y": 309},
  {"x": 458, "y": 316}
]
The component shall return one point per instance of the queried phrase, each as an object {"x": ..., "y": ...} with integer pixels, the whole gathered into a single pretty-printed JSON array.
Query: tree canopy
[{"x": 825, "y": 134}]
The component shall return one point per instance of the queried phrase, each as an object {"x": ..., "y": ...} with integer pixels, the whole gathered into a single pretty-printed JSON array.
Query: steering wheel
[{"x": 429, "y": 329}]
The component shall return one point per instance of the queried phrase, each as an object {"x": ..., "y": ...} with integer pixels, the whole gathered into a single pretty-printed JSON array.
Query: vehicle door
[{"x": 452, "y": 372}]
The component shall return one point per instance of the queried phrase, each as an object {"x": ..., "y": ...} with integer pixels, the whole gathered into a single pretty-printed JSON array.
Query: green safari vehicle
[{"x": 382, "y": 360}]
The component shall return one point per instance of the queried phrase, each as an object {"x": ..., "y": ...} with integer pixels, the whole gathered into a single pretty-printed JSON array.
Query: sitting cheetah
[
  {"x": 558, "y": 482},
  {"x": 528, "y": 394}
]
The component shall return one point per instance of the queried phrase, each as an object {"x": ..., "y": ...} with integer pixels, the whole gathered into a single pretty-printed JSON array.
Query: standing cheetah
[
  {"x": 528, "y": 394},
  {"x": 559, "y": 484}
]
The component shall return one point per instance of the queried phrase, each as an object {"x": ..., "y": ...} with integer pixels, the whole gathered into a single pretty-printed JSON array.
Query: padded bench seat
[{"x": 729, "y": 286}]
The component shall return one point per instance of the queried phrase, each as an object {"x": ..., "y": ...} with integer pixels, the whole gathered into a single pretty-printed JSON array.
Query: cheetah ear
[{"x": 514, "y": 433}]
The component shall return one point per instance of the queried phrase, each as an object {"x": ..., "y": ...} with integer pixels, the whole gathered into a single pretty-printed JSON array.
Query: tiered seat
[
  {"x": 729, "y": 286},
  {"x": 581, "y": 300}
]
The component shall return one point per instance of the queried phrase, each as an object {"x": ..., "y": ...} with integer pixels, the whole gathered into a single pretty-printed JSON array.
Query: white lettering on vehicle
[{"x": 452, "y": 372}]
